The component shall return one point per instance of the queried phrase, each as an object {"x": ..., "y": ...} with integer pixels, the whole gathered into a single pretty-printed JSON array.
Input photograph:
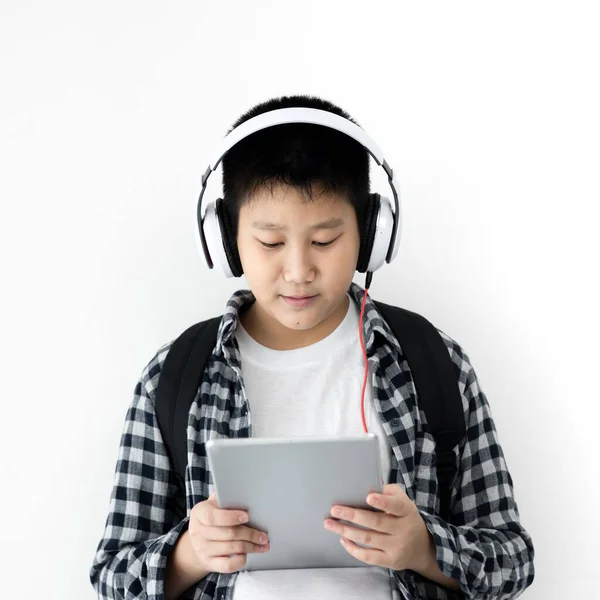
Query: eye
[
  {"x": 271, "y": 246},
  {"x": 324, "y": 244}
]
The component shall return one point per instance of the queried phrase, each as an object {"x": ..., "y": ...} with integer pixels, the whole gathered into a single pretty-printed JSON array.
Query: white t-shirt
[{"x": 314, "y": 390}]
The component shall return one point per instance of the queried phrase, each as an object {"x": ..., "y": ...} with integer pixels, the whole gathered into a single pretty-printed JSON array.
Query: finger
[
  {"x": 375, "y": 520},
  {"x": 393, "y": 489},
  {"x": 209, "y": 513},
  {"x": 393, "y": 501},
  {"x": 238, "y": 532},
  {"x": 366, "y": 537},
  {"x": 369, "y": 556},
  {"x": 227, "y": 564},
  {"x": 215, "y": 549}
]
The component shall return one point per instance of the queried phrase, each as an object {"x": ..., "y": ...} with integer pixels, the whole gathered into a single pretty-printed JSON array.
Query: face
[{"x": 299, "y": 257}]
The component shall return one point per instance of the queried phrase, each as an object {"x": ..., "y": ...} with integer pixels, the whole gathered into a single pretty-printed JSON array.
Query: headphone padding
[
  {"x": 368, "y": 233},
  {"x": 229, "y": 242}
]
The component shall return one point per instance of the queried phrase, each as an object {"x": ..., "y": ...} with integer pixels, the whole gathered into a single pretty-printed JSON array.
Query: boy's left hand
[{"x": 397, "y": 537}]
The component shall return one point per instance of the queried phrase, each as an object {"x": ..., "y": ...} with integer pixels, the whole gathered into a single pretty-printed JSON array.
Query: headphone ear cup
[
  {"x": 210, "y": 241},
  {"x": 367, "y": 236},
  {"x": 228, "y": 239},
  {"x": 382, "y": 238}
]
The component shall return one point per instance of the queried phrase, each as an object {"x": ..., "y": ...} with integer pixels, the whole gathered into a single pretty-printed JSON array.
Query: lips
[{"x": 299, "y": 301}]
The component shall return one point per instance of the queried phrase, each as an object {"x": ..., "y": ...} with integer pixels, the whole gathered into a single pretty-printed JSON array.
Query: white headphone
[{"x": 380, "y": 233}]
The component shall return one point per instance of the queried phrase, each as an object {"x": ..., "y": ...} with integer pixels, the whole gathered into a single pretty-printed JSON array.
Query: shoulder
[
  {"x": 466, "y": 376},
  {"x": 459, "y": 357},
  {"x": 151, "y": 371},
  {"x": 457, "y": 354},
  {"x": 463, "y": 370}
]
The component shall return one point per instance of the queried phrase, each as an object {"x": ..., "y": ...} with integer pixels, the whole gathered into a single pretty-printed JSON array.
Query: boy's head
[{"x": 296, "y": 195}]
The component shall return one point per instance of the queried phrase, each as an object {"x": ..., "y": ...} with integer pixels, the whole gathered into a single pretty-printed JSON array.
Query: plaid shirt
[{"x": 483, "y": 546}]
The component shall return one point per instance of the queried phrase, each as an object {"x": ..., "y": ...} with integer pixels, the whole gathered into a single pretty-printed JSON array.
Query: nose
[{"x": 299, "y": 266}]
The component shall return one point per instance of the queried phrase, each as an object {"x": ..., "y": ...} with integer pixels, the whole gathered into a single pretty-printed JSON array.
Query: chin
[{"x": 299, "y": 323}]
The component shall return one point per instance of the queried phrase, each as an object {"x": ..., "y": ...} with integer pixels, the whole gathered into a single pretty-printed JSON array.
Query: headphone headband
[{"x": 314, "y": 116}]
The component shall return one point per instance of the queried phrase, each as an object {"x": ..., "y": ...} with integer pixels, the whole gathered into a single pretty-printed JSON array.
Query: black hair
[{"x": 296, "y": 154}]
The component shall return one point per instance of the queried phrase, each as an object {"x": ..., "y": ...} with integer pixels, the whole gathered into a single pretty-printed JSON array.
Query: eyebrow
[{"x": 267, "y": 226}]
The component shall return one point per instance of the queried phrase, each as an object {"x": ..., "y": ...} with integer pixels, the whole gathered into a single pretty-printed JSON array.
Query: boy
[{"x": 287, "y": 362}]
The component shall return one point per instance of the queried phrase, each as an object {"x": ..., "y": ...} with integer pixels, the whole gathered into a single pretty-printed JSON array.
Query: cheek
[
  {"x": 345, "y": 259},
  {"x": 259, "y": 268}
]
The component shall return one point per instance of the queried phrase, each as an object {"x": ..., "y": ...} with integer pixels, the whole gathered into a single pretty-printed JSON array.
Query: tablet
[{"x": 288, "y": 486}]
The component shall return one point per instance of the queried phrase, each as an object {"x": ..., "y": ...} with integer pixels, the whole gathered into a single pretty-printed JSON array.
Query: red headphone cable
[{"x": 362, "y": 345}]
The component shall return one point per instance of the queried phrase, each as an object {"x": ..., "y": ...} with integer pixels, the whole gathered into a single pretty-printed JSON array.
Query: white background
[{"x": 109, "y": 111}]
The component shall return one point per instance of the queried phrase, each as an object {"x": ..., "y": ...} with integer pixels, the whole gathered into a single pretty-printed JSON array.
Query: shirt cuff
[
  {"x": 151, "y": 575},
  {"x": 448, "y": 561},
  {"x": 445, "y": 547}
]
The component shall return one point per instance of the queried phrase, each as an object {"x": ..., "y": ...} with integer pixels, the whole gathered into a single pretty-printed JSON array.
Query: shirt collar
[{"x": 374, "y": 324}]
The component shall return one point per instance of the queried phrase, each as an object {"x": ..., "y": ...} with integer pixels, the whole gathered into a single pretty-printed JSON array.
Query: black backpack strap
[
  {"x": 437, "y": 389},
  {"x": 178, "y": 384}
]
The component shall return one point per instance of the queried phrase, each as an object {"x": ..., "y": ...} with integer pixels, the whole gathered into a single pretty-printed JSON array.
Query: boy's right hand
[{"x": 219, "y": 539}]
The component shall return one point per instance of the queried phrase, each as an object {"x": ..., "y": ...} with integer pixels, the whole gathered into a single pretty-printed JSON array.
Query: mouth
[{"x": 299, "y": 301}]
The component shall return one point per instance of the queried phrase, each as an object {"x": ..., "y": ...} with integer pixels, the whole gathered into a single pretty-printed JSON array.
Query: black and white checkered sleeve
[
  {"x": 483, "y": 546},
  {"x": 142, "y": 524}
]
